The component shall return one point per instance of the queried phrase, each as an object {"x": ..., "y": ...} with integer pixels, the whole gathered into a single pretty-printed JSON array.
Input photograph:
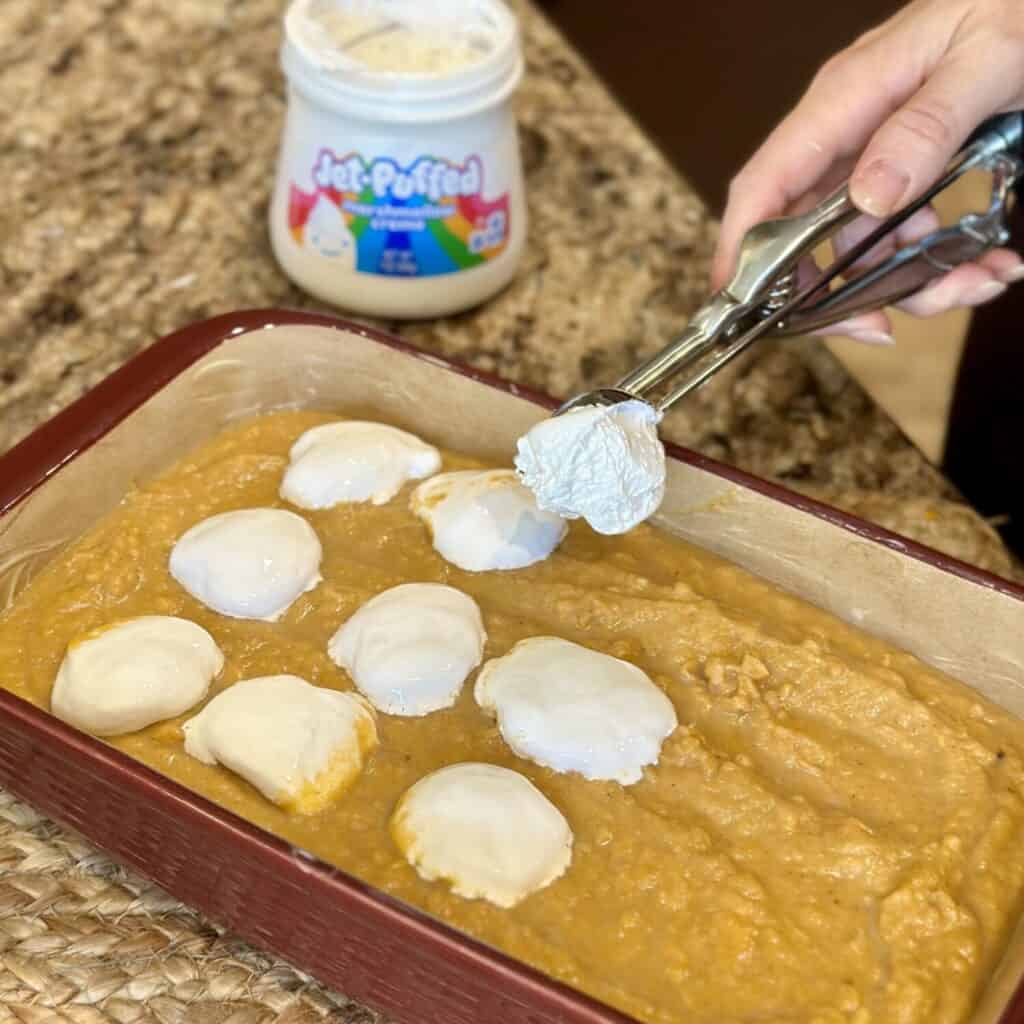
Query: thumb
[{"x": 911, "y": 149}]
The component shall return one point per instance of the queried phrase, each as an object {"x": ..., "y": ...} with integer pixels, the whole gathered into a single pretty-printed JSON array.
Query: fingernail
[
  {"x": 1017, "y": 274},
  {"x": 985, "y": 292},
  {"x": 879, "y": 188},
  {"x": 869, "y": 337}
]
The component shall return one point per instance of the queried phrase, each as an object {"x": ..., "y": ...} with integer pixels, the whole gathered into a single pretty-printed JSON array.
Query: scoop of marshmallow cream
[
  {"x": 354, "y": 461},
  {"x": 133, "y": 673},
  {"x": 249, "y": 564},
  {"x": 410, "y": 648},
  {"x": 300, "y": 745},
  {"x": 602, "y": 463},
  {"x": 572, "y": 709},
  {"x": 487, "y": 831},
  {"x": 486, "y": 519}
]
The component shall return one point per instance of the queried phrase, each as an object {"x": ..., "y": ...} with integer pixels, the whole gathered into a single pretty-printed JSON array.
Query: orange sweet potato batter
[{"x": 834, "y": 833}]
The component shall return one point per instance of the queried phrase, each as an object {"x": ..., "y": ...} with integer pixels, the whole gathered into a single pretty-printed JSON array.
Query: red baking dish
[{"x": 392, "y": 957}]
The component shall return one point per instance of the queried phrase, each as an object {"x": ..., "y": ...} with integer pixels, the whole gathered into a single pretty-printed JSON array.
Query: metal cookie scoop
[{"x": 764, "y": 297}]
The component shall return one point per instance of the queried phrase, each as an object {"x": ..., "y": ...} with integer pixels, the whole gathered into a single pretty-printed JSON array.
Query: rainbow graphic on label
[{"x": 377, "y": 217}]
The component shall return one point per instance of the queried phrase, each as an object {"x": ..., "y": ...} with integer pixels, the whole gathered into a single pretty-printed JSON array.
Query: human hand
[{"x": 889, "y": 113}]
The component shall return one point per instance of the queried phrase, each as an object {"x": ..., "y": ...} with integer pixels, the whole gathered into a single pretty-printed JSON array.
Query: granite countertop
[
  {"x": 137, "y": 164},
  {"x": 136, "y": 153}
]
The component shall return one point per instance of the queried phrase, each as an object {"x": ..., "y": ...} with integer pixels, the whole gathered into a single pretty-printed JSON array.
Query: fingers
[
  {"x": 1005, "y": 265},
  {"x": 833, "y": 120},
  {"x": 913, "y": 146},
  {"x": 905, "y": 96},
  {"x": 922, "y": 223},
  {"x": 972, "y": 284},
  {"x": 952, "y": 291},
  {"x": 868, "y": 328},
  {"x": 850, "y": 97}
]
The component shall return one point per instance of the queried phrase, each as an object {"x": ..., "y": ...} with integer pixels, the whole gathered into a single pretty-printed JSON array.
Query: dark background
[{"x": 707, "y": 81}]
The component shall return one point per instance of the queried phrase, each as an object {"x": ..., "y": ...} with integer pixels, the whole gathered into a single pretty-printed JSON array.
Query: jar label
[{"x": 377, "y": 217}]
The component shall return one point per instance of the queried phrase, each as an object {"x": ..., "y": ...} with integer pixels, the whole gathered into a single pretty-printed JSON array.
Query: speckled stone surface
[
  {"x": 136, "y": 169},
  {"x": 137, "y": 145}
]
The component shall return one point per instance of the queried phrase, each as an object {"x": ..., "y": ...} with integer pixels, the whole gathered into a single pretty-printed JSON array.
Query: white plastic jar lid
[{"x": 316, "y": 63}]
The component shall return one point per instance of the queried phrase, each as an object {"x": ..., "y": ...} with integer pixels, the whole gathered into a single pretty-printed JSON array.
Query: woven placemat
[
  {"x": 137, "y": 164},
  {"x": 84, "y": 940}
]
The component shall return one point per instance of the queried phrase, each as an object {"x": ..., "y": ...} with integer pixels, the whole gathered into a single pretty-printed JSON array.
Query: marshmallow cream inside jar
[{"x": 399, "y": 188}]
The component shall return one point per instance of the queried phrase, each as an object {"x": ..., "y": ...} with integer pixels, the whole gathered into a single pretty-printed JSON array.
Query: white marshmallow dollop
[
  {"x": 487, "y": 831},
  {"x": 133, "y": 673},
  {"x": 354, "y": 461},
  {"x": 410, "y": 648},
  {"x": 300, "y": 745},
  {"x": 486, "y": 519},
  {"x": 605, "y": 464},
  {"x": 249, "y": 564},
  {"x": 572, "y": 709}
]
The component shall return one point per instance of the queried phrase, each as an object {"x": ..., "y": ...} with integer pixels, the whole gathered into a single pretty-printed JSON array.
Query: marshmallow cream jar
[{"x": 399, "y": 188}]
